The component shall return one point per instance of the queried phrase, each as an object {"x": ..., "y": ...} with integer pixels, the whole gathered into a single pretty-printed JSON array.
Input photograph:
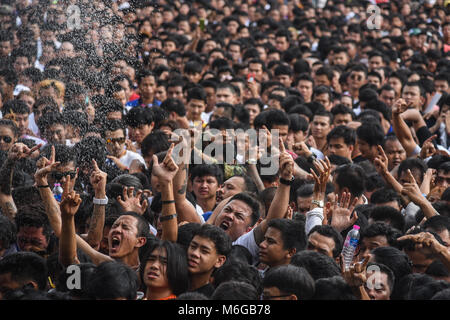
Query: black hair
[
  {"x": 174, "y": 105},
  {"x": 290, "y": 279},
  {"x": 272, "y": 117},
  {"x": 221, "y": 240},
  {"x": 235, "y": 290},
  {"x": 113, "y": 280},
  {"x": 186, "y": 233},
  {"x": 155, "y": 142},
  {"x": 177, "y": 269},
  {"x": 333, "y": 288},
  {"x": 138, "y": 116},
  {"x": 236, "y": 270},
  {"x": 25, "y": 267},
  {"x": 386, "y": 270},
  {"x": 385, "y": 195},
  {"x": 292, "y": 233},
  {"x": 144, "y": 73},
  {"x": 371, "y": 132},
  {"x": 317, "y": 264},
  {"x": 388, "y": 215},
  {"x": 353, "y": 177},
  {"x": 411, "y": 164},
  {"x": 297, "y": 123},
  {"x": 348, "y": 134},
  {"x": 202, "y": 170}
]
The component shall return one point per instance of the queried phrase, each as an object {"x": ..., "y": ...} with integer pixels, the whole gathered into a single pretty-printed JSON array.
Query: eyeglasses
[
  {"x": 114, "y": 140},
  {"x": 59, "y": 175},
  {"x": 7, "y": 139}
]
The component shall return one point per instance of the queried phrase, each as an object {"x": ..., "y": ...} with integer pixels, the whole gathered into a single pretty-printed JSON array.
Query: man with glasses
[{"x": 115, "y": 137}]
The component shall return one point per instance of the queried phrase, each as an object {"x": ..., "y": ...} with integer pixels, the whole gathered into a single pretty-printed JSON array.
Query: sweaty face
[
  {"x": 235, "y": 219},
  {"x": 194, "y": 109},
  {"x": 342, "y": 119},
  {"x": 56, "y": 134},
  {"x": 337, "y": 146},
  {"x": 412, "y": 96},
  {"x": 123, "y": 237},
  {"x": 115, "y": 142},
  {"x": 225, "y": 95},
  {"x": 367, "y": 151},
  {"x": 7, "y": 138}
]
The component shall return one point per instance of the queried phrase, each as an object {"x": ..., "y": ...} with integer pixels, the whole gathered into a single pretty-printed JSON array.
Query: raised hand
[
  {"x": 355, "y": 276},
  {"x": 98, "y": 180},
  {"x": 45, "y": 166},
  {"x": 131, "y": 201},
  {"x": 286, "y": 162},
  {"x": 341, "y": 212},
  {"x": 381, "y": 161},
  {"x": 428, "y": 148},
  {"x": 167, "y": 170},
  {"x": 119, "y": 164},
  {"x": 399, "y": 106},
  {"x": 320, "y": 181},
  {"x": 301, "y": 149},
  {"x": 412, "y": 190},
  {"x": 425, "y": 242},
  {"x": 70, "y": 200},
  {"x": 20, "y": 150}
]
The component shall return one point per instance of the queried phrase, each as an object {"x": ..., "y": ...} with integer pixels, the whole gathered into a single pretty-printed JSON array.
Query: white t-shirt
[
  {"x": 248, "y": 241},
  {"x": 129, "y": 156}
]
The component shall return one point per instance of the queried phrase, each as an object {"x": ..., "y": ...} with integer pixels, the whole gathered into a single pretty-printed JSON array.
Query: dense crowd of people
[{"x": 222, "y": 150}]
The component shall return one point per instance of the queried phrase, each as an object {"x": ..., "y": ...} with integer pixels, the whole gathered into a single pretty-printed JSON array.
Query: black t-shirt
[{"x": 207, "y": 290}]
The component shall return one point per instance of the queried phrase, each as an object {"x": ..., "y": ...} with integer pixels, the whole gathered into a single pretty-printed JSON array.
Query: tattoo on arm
[{"x": 183, "y": 187}]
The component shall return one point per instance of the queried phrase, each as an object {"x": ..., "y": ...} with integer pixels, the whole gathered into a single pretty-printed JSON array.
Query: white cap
[{"x": 19, "y": 88}]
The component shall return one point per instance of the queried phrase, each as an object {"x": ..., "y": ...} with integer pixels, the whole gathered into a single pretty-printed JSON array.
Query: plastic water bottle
[
  {"x": 57, "y": 192},
  {"x": 350, "y": 244}
]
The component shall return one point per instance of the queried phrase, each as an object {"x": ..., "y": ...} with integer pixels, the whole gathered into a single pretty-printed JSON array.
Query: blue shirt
[{"x": 138, "y": 102}]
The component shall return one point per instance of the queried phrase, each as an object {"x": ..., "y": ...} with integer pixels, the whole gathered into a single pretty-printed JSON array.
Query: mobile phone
[
  {"x": 250, "y": 77},
  {"x": 202, "y": 24}
]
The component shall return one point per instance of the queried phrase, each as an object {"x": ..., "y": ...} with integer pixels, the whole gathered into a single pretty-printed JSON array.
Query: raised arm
[
  {"x": 45, "y": 166},
  {"x": 98, "y": 182},
  {"x": 280, "y": 202},
  {"x": 401, "y": 129},
  {"x": 381, "y": 165},
  {"x": 184, "y": 209},
  {"x": 412, "y": 191},
  {"x": 70, "y": 202},
  {"x": 166, "y": 172}
]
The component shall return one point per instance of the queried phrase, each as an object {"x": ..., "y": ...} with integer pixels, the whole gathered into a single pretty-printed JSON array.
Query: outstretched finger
[
  {"x": 282, "y": 148},
  {"x": 94, "y": 163},
  {"x": 430, "y": 139},
  {"x": 169, "y": 152},
  {"x": 66, "y": 186},
  {"x": 53, "y": 155},
  {"x": 410, "y": 176},
  {"x": 34, "y": 149},
  {"x": 365, "y": 262}
]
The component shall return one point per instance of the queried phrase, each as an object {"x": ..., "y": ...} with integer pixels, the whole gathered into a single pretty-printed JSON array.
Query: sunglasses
[
  {"x": 114, "y": 140},
  {"x": 59, "y": 175},
  {"x": 7, "y": 139}
]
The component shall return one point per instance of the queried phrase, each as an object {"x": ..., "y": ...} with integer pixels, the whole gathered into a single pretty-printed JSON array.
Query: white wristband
[{"x": 101, "y": 202}]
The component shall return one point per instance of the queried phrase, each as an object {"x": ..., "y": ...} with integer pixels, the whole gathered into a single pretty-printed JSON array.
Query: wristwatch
[
  {"x": 287, "y": 182},
  {"x": 319, "y": 203},
  {"x": 101, "y": 202}
]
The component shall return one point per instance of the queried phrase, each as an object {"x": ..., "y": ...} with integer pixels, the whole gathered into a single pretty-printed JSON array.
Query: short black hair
[
  {"x": 292, "y": 233},
  {"x": 348, "y": 134},
  {"x": 138, "y": 116},
  {"x": 25, "y": 267},
  {"x": 290, "y": 279},
  {"x": 371, "y": 132},
  {"x": 221, "y": 240},
  {"x": 389, "y": 215},
  {"x": 318, "y": 265},
  {"x": 202, "y": 170},
  {"x": 112, "y": 280}
]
